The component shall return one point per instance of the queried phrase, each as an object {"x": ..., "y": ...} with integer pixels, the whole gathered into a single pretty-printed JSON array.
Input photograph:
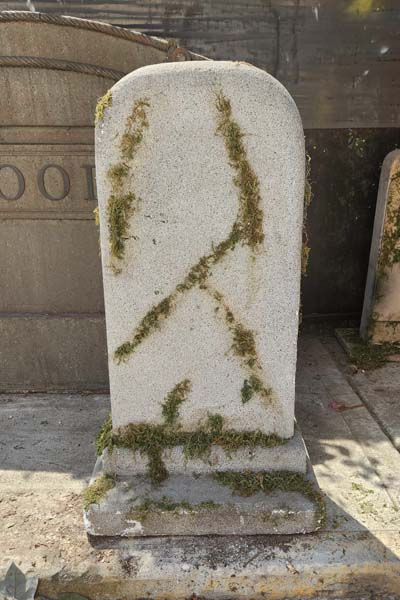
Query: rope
[
  {"x": 36, "y": 62},
  {"x": 169, "y": 47}
]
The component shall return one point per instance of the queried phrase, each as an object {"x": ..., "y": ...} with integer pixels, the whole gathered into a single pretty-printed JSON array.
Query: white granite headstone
[{"x": 200, "y": 175}]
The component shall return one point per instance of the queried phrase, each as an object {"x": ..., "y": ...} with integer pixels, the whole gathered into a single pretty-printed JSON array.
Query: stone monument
[
  {"x": 381, "y": 311},
  {"x": 200, "y": 171}
]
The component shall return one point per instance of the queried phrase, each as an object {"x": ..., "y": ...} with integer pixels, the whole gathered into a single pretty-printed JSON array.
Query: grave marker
[
  {"x": 200, "y": 171},
  {"x": 381, "y": 311}
]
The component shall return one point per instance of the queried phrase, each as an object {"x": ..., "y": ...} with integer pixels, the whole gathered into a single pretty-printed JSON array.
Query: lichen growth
[
  {"x": 122, "y": 201},
  {"x": 141, "y": 511},
  {"x": 178, "y": 395},
  {"x": 103, "y": 103},
  {"x": 151, "y": 440},
  {"x": 250, "y": 482},
  {"x": 96, "y": 491}
]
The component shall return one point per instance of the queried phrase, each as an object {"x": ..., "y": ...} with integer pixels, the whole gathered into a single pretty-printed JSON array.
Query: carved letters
[{"x": 18, "y": 185}]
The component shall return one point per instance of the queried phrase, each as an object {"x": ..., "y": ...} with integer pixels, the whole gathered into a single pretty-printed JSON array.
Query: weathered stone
[
  {"x": 381, "y": 311},
  {"x": 200, "y": 172},
  {"x": 198, "y": 505}
]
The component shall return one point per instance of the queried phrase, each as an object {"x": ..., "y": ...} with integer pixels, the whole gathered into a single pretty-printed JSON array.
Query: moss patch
[
  {"x": 141, "y": 511},
  {"x": 151, "y": 440},
  {"x": 250, "y": 217},
  {"x": 104, "y": 437},
  {"x": 247, "y": 228},
  {"x": 103, "y": 103},
  {"x": 390, "y": 245},
  {"x": 365, "y": 355},
  {"x": 249, "y": 483},
  {"x": 244, "y": 346},
  {"x": 123, "y": 202},
  {"x": 148, "y": 325},
  {"x": 96, "y": 491},
  {"x": 170, "y": 407}
]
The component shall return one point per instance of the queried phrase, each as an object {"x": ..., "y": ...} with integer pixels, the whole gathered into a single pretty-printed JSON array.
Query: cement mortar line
[{"x": 174, "y": 53}]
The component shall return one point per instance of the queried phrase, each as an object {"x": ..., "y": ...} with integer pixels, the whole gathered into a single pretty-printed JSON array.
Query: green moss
[
  {"x": 148, "y": 325},
  {"x": 117, "y": 174},
  {"x": 151, "y": 440},
  {"x": 170, "y": 407},
  {"x": 103, "y": 103},
  {"x": 244, "y": 346},
  {"x": 247, "y": 228},
  {"x": 246, "y": 391},
  {"x": 249, "y": 483},
  {"x": 104, "y": 437},
  {"x": 121, "y": 202},
  {"x": 389, "y": 253},
  {"x": 366, "y": 355},
  {"x": 250, "y": 217},
  {"x": 357, "y": 487},
  {"x": 96, "y": 491},
  {"x": 119, "y": 209},
  {"x": 141, "y": 511},
  {"x": 136, "y": 123}
]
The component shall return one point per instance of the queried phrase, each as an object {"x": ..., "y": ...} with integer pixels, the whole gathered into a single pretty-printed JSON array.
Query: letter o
[
  {"x": 21, "y": 183},
  {"x": 42, "y": 187}
]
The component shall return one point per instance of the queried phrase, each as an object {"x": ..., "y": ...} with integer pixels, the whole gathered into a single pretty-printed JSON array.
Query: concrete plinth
[{"x": 200, "y": 505}]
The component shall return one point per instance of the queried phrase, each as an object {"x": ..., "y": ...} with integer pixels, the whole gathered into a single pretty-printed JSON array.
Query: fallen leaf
[{"x": 16, "y": 586}]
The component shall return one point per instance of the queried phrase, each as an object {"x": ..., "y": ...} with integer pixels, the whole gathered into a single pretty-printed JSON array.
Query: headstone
[
  {"x": 381, "y": 311},
  {"x": 201, "y": 182}
]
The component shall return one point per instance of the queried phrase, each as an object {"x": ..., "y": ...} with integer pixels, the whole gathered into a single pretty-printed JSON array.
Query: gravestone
[
  {"x": 381, "y": 311},
  {"x": 201, "y": 182}
]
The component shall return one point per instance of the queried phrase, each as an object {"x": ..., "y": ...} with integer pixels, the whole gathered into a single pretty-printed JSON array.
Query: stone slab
[
  {"x": 380, "y": 321},
  {"x": 188, "y": 206},
  {"x": 40, "y": 352},
  {"x": 203, "y": 507},
  {"x": 290, "y": 456}
]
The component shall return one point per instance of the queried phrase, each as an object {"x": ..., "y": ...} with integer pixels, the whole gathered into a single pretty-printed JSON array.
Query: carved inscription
[{"x": 47, "y": 181}]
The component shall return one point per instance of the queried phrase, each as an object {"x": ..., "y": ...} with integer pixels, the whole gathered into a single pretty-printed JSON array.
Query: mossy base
[{"x": 202, "y": 505}]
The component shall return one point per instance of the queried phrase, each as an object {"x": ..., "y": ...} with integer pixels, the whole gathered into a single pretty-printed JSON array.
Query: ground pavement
[{"x": 351, "y": 423}]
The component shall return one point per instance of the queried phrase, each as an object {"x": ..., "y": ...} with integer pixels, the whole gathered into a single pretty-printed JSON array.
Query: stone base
[{"x": 198, "y": 504}]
